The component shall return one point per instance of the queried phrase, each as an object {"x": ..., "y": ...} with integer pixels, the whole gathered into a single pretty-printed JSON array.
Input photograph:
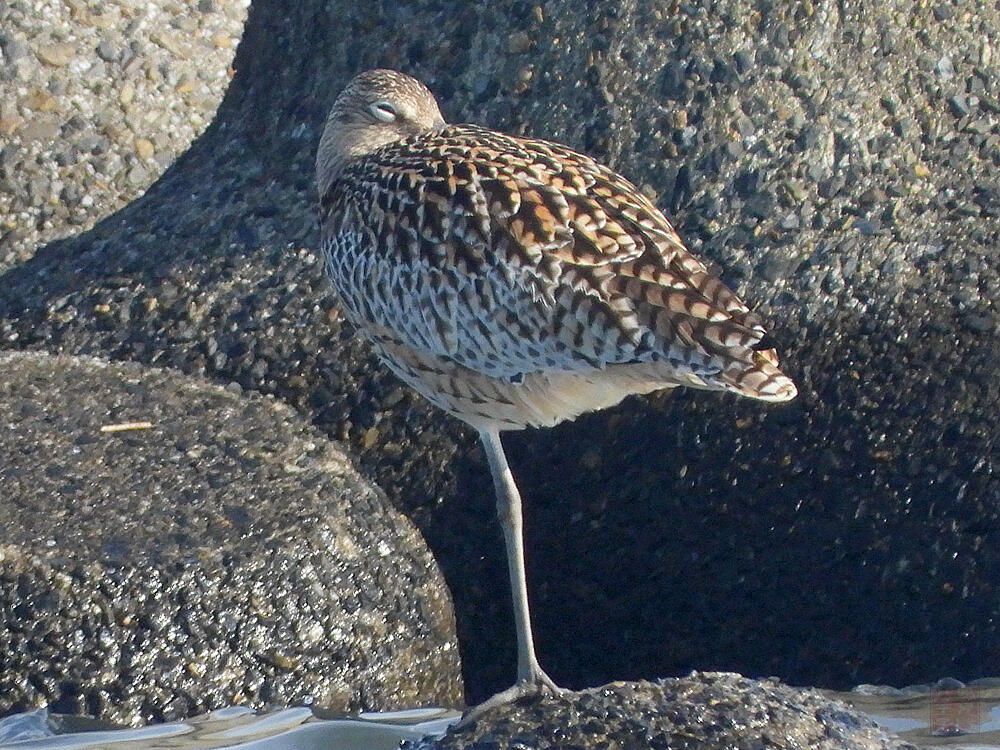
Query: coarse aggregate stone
[
  {"x": 225, "y": 553},
  {"x": 703, "y": 711},
  {"x": 818, "y": 152},
  {"x": 96, "y": 100}
]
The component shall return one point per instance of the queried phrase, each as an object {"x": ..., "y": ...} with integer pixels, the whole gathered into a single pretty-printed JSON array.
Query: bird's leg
[
  {"x": 530, "y": 677},
  {"x": 509, "y": 514}
]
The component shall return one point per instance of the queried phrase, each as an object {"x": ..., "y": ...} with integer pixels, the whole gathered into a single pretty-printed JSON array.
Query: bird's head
[{"x": 376, "y": 107}]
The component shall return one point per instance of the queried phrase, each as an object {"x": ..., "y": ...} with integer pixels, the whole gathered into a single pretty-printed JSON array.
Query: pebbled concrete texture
[
  {"x": 837, "y": 160},
  {"x": 702, "y": 711},
  {"x": 96, "y": 100},
  {"x": 219, "y": 551}
]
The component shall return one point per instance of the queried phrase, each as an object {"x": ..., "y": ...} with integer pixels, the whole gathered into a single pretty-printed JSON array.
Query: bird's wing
[{"x": 512, "y": 255}]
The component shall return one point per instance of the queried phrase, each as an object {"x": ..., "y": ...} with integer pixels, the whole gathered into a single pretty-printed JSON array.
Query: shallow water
[
  {"x": 231, "y": 728},
  {"x": 941, "y": 715},
  {"x": 965, "y": 717}
]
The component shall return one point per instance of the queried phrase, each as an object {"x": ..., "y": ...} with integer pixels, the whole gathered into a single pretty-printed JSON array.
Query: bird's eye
[{"x": 383, "y": 111}]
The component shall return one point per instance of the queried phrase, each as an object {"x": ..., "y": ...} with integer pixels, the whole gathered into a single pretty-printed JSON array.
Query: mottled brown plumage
[
  {"x": 515, "y": 282},
  {"x": 521, "y": 266}
]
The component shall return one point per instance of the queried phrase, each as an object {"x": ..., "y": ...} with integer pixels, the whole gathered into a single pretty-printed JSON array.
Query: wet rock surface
[
  {"x": 170, "y": 547},
  {"x": 703, "y": 711},
  {"x": 96, "y": 100},
  {"x": 838, "y": 160}
]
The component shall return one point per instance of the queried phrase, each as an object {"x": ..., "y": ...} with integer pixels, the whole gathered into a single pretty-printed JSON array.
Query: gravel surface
[
  {"x": 704, "y": 711},
  {"x": 217, "y": 552},
  {"x": 96, "y": 100},
  {"x": 838, "y": 159}
]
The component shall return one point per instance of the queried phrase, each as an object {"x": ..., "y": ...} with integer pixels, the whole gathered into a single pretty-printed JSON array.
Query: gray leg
[{"x": 530, "y": 677}]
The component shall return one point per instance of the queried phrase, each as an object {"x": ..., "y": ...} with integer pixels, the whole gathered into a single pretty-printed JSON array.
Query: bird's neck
[{"x": 331, "y": 159}]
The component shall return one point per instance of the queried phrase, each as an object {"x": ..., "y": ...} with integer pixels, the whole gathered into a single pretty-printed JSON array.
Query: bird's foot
[{"x": 538, "y": 683}]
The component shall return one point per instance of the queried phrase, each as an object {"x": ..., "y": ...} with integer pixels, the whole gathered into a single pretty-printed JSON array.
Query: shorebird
[{"x": 516, "y": 283}]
